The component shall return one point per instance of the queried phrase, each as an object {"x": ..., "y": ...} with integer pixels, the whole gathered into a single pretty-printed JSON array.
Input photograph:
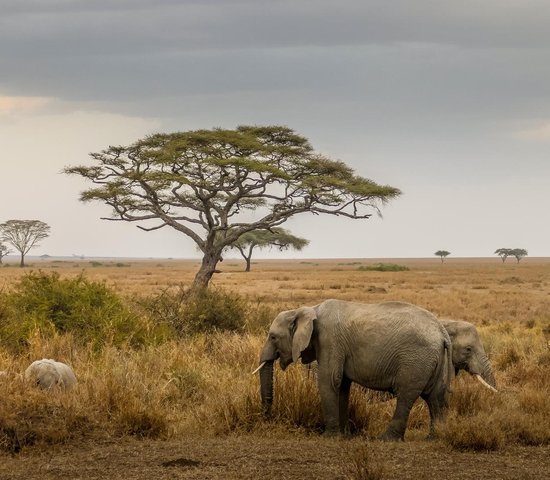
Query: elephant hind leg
[
  {"x": 343, "y": 404},
  {"x": 398, "y": 424}
]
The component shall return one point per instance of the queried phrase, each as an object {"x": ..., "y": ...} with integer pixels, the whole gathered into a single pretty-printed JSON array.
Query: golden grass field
[{"x": 189, "y": 408}]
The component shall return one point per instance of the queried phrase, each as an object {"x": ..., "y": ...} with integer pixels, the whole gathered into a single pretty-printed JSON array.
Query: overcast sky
[{"x": 448, "y": 101}]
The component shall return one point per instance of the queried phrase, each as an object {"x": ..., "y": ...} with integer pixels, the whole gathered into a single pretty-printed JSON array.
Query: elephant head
[
  {"x": 468, "y": 352},
  {"x": 289, "y": 339}
]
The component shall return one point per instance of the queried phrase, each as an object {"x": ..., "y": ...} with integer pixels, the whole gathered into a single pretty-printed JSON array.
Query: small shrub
[
  {"x": 361, "y": 465},
  {"x": 476, "y": 433},
  {"x": 206, "y": 311},
  {"x": 213, "y": 309},
  {"x": 142, "y": 422},
  {"x": 383, "y": 267},
  {"x": 527, "y": 428}
]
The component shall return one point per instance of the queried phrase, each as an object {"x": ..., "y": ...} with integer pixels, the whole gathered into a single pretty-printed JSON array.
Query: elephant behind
[
  {"x": 392, "y": 346},
  {"x": 468, "y": 352}
]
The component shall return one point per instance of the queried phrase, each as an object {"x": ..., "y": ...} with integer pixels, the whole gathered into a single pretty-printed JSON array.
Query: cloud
[
  {"x": 17, "y": 105},
  {"x": 538, "y": 134}
]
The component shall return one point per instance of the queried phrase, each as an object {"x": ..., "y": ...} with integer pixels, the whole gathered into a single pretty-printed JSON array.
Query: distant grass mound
[{"x": 383, "y": 267}]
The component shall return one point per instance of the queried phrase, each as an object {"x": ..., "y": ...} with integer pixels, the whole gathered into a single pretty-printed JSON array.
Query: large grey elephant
[
  {"x": 468, "y": 352},
  {"x": 392, "y": 346}
]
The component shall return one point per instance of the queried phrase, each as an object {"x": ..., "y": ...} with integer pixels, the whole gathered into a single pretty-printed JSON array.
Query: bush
[
  {"x": 206, "y": 311},
  {"x": 47, "y": 305},
  {"x": 478, "y": 433},
  {"x": 383, "y": 267},
  {"x": 361, "y": 464}
]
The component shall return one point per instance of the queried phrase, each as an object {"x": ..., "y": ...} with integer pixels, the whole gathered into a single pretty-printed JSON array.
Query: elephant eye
[{"x": 272, "y": 337}]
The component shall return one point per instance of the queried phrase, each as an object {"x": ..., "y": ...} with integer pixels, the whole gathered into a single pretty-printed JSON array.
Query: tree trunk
[
  {"x": 249, "y": 258},
  {"x": 22, "y": 262},
  {"x": 208, "y": 268}
]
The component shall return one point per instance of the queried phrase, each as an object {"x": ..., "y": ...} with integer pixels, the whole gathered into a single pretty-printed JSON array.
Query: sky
[{"x": 448, "y": 101}]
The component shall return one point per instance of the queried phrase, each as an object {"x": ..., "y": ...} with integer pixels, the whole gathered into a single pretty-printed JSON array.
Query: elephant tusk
[
  {"x": 484, "y": 383},
  {"x": 261, "y": 365}
]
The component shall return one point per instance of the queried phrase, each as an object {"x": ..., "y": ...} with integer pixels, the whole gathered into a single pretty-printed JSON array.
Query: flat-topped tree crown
[{"x": 215, "y": 185}]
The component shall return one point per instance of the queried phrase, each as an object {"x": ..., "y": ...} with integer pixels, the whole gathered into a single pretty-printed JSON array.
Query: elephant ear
[
  {"x": 303, "y": 326},
  {"x": 451, "y": 328}
]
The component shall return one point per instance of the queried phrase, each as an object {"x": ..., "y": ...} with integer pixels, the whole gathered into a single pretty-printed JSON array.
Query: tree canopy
[
  {"x": 442, "y": 254},
  {"x": 24, "y": 235},
  {"x": 519, "y": 253},
  {"x": 215, "y": 185},
  {"x": 504, "y": 253},
  {"x": 276, "y": 237}
]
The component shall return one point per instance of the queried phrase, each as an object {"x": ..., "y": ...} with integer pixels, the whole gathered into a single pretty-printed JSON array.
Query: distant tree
[
  {"x": 519, "y": 253},
  {"x": 4, "y": 250},
  {"x": 442, "y": 254},
  {"x": 503, "y": 253},
  {"x": 276, "y": 237},
  {"x": 216, "y": 185},
  {"x": 23, "y": 235}
]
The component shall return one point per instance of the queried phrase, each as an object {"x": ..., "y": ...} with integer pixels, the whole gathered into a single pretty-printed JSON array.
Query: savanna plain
[{"x": 165, "y": 388}]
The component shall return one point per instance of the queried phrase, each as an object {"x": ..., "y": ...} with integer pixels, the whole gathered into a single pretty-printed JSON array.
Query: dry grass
[{"x": 202, "y": 385}]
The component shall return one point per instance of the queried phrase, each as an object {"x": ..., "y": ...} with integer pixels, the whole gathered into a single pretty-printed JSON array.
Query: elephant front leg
[{"x": 330, "y": 403}]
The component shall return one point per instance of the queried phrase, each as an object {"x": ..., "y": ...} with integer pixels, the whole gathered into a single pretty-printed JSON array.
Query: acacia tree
[
  {"x": 503, "y": 253},
  {"x": 215, "y": 185},
  {"x": 4, "y": 250},
  {"x": 442, "y": 254},
  {"x": 24, "y": 235},
  {"x": 519, "y": 253},
  {"x": 276, "y": 237}
]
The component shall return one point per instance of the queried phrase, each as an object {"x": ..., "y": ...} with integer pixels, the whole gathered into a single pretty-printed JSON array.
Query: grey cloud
[{"x": 128, "y": 27}]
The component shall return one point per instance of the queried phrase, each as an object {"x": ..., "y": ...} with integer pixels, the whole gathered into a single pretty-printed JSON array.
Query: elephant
[
  {"x": 468, "y": 352},
  {"x": 48, "y": 373},
  {"x": 392, "y": 346}
]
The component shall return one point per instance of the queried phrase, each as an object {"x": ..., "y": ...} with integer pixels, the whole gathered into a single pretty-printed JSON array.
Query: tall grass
[{"x": 148, "y": 368}]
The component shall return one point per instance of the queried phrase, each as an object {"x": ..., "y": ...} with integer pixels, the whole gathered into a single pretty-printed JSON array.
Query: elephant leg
[
  {"x": 329, "y": 391},
  {"x": 343, "y": 404},
  {"x": 398, "y": 424}
]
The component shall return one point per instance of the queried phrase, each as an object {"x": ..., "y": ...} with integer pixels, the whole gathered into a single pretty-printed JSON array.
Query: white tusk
[
  {"x": 484, "y": 383},
  {"x": 261, "y": 365}
]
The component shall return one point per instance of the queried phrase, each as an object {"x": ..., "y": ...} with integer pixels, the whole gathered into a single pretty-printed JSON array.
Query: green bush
[
  {"x": 206, "y": 311},
  {"x": 48, "y": 305},
  {"x": 383, "y": 267}
]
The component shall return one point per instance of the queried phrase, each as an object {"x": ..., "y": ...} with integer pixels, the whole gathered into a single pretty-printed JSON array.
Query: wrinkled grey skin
[
  {"x": 48, "y": 373},
  {"x": 393, "y": 346},
  {"x": 468, "y": 351}
]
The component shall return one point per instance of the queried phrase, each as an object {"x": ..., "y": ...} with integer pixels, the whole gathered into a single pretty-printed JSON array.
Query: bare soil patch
[{"x": 253, "y": 456}]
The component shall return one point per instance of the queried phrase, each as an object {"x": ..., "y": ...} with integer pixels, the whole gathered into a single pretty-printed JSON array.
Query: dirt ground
[{"x": 253, "y": 456}]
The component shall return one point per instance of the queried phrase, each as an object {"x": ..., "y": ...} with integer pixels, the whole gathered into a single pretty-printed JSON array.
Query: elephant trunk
[
  {"x": 266, "y": 385},
  {"x": 486, "y": 375}
]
